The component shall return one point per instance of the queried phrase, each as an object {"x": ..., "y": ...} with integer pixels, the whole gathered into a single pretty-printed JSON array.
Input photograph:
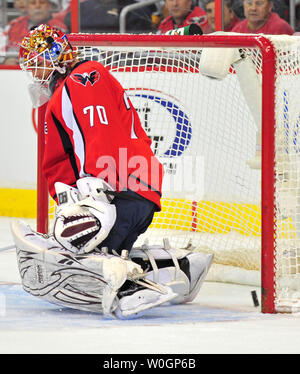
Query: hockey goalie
[
  {"x": 70, "y": 268},
  {"x": 103, "y": 174}
]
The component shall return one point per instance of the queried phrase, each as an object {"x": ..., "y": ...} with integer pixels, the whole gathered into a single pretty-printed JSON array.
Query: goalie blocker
[{"x": 105, "y": 283}]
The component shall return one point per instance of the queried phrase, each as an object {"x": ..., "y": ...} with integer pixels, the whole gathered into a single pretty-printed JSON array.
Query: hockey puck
[{"x": 254, "y": 298}]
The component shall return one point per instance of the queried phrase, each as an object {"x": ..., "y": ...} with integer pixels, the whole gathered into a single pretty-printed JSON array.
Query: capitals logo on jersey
[
  {"x": 85, "y": 78},
  {"x": 199, "y": 19}
]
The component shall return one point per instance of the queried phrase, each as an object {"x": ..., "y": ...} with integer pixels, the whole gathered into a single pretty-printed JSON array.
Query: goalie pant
[
  {"x": 134, "y": 216},
  {"x": 105, "y": 283}
]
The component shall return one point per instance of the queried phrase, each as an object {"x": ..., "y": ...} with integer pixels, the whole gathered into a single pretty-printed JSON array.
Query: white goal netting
[{"x": 205, "y": 133}]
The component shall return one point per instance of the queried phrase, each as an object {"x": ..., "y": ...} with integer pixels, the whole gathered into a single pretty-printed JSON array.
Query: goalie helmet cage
[{"x": 246, "y": 217}]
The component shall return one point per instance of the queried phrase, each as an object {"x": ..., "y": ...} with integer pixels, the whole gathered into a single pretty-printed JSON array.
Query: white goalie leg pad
[
  {"x": 49, "y": 272},
  {"x": 185, "y": 279},
  {"x": 53, "y": 274},
  {"x": 85, "y": 282},
  {"x": 115, "y": 272}
]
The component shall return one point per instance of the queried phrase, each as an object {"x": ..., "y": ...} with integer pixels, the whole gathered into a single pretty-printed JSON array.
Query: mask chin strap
[
  {"x": 60, "y": 69},
  {"x": 39, "y": 94}
]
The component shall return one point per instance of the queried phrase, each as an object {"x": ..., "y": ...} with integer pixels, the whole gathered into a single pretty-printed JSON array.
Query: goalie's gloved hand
[
  {"x": 97, "y": 188},
  {"x": 84, "y": 216},
  {"x": 81, "y": 227}
]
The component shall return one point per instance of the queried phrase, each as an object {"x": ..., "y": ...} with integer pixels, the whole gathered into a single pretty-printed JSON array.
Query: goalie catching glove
[{"x": 84, "y": 216}]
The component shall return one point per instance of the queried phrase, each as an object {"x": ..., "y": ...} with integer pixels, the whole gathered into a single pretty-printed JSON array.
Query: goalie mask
[{"x": 45, "y": 50}]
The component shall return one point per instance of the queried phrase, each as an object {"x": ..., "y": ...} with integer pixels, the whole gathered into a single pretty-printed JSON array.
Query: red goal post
[{"x": 268, "y": 57}]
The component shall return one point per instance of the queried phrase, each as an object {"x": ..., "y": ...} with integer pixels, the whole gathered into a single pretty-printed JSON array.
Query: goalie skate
[
  {"x": 181, "y": 269},
  {"x": 85, "y": 282},
  {"x": 141, "y": 298}
]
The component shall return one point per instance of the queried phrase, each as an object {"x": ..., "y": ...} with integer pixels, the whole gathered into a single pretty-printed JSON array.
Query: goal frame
[{"x": 268, "y": 138}]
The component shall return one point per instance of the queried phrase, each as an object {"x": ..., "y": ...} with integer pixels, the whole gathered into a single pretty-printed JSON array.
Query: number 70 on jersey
[{"x": 99, "y": 110}]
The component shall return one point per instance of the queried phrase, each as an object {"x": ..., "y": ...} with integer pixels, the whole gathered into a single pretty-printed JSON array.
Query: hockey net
[{"x": 204, "y": 133}]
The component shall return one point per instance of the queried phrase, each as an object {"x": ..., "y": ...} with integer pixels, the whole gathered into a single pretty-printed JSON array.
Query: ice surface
[{"x": 222, "y": 319}]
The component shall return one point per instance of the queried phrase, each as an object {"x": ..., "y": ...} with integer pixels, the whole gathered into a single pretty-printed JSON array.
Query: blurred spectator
[
  {"x": 159, "y": 14},
  {"x": 102, "y": 16},
  {"x": 65, "y": 6},
  {"x": 38, "y": 11},
  {"x": 281, "y": 7},
  {"x": 21, "y": 6},
  {"x": 260, "y": 19},
  {"x": 183, "y": 13},
  {"x": 229, "y": 17}
]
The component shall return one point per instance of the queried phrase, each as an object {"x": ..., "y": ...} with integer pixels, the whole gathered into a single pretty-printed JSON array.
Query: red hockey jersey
[
  {"x": 92, "y": 129},
  {"x": 196, "y": 15},
  {"x": 274, "y": 26}
]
